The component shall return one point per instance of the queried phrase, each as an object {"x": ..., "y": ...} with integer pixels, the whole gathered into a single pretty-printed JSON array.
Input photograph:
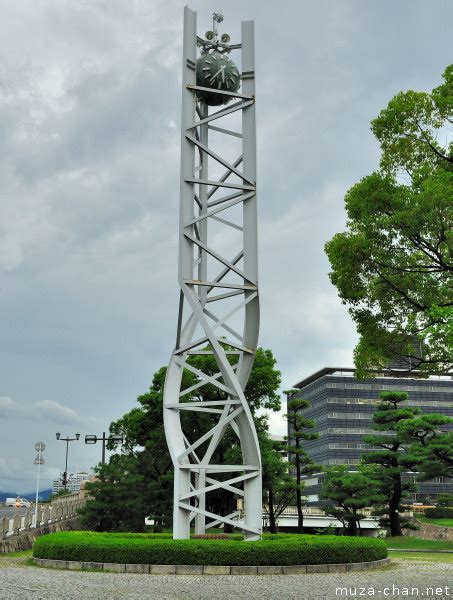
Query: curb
[{"x": 75, "y": 565}]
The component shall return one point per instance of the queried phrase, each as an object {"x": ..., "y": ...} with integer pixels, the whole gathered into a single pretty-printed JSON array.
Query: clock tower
[{"x": 218, "y": 317}]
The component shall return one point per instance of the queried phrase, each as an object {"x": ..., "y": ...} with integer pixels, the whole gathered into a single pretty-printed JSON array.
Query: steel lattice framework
[{"x": 205, "y": 326}]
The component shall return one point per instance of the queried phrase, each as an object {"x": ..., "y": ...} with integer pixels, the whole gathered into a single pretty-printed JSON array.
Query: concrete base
[{"x": 211, "y": 569}]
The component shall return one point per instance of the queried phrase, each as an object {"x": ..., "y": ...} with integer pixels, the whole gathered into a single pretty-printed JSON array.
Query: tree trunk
[
  {"x": 272, "y": 523},
  {"x": 300, "y": 514},
  {"x": 228, "y": 507},
  {"x": 394, "y": 517},
  {"x": 352, "y": 527}
]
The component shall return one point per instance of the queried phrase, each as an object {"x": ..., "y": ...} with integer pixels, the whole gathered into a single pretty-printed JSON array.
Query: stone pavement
[{"x": 17, "y": 580}]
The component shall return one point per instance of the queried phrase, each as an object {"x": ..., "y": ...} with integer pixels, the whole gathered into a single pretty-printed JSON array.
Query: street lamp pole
[
  {"x": 39, "y": 460},
  {"x": 93, "y": 439},
  {"x": 67, "y": 440}
]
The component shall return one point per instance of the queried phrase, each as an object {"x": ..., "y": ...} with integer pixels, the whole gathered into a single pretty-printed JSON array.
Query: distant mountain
[{"x": 43, "y": 495}]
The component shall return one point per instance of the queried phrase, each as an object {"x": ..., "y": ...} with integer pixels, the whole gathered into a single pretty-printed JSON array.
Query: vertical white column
[
  {"x": 181, "y": 517},
  {"x": 250, "y": 448},
  {"x": 200, "y": 520},
  {"x": 37, "y": 488}
]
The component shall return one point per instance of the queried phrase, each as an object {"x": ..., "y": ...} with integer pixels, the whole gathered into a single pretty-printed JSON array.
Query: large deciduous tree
[
  {"x": 393, "y": 266},
  {"x": 139, "y": 481}
]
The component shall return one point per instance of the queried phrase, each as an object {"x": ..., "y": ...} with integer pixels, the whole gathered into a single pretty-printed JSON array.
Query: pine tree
[
  {"x": 300, "y": 430},
  {"x": 390, "y": 457},
  {"x": 431, "y": 445},
  {"x": 348, "y": 492},
  {"x": 278, "y": 484}
]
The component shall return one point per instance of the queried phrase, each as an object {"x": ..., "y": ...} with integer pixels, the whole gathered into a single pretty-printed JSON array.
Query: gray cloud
[
  {"x": 43, "y": 410},
  {"x": 89, "y": 164}
]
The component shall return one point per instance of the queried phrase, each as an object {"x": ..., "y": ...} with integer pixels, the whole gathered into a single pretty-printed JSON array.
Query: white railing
[
  {"x": 59, "y": 510},
  {"x": 319, "y": 512}
]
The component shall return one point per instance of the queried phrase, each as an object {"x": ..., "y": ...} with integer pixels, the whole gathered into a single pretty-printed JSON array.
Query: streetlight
[
  {"x": 39, "y": 460},
  {"x": 92, "y": 439},
  {"x": 67, "y": 440}
]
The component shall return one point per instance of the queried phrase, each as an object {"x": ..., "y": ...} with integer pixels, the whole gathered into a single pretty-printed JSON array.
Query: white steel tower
[{"x": 218, "y": 277}]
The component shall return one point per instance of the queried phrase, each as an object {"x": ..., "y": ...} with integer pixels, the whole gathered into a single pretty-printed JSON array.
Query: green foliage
[
  {"x": 445, "y": 500},
  {"x": 390, "y": 459},
  {"x": 138, "y": 483},
  {"x": 160, "y": 549},
  {"x": 440, "y": 512},
  {"x": 118, "y": 499},
  {"x": 348, "y": 492},
  {"x": 300, "y": 430},
  {"x": 431, "y": 447},
  {"x": 279, "y": 487},
  {"x": 392, "y": 267}
]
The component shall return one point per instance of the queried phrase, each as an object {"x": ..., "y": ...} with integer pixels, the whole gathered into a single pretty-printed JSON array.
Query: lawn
[
  {"x": 406, "y": 542},
  {"x": 421, "y": 557},
  {"x": 16, "y": 554},
  {"x": 439, "y": 522}
]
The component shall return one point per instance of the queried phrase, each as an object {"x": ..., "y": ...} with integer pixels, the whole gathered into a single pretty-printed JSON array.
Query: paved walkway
[{"x": 17, "y": 580}]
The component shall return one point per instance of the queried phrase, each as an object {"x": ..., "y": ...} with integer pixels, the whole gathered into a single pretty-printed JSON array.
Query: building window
[
  {"x": 345, "y": 415},
  {"x": 348, "y": 446}
]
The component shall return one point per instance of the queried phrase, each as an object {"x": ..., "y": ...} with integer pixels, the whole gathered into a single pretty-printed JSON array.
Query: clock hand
[{"x": 215, "y": 75}]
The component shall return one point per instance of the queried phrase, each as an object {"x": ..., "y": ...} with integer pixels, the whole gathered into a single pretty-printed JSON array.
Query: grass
[
  {"x": 283, "y": 549},
  {"x": 406, "y": 542},
  {"x": 16, "y": 554},
  {"x": 422, "y": 557},
  {"x": 439, "y": 522}
]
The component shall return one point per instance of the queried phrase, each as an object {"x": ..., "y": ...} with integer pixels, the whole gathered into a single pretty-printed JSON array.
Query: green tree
[
  {"x": 445, "y": 500},
  {"x": 117, "y": 500},
  {"x": 393, "y": 265},
  {"x": 300, "y": 429},
  {"x": 347, "y": 493},
  {"x": 137, "y": 483},
  {"x": 390, "y": 457},
  {"x": 143, "y": 472},
  {"x": 278, "y": 484},
  {"x": 431, "y": 446}
]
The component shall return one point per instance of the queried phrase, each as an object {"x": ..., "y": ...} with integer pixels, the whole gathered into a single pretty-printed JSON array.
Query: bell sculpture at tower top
[{"x": 218, "y": 319}]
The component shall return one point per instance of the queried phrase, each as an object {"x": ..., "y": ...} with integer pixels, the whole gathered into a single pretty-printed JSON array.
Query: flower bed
[{"x": 161, "y": 549}]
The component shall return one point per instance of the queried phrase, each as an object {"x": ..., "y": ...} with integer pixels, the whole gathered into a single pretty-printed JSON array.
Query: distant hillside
[{"x": 43, "y": 495}]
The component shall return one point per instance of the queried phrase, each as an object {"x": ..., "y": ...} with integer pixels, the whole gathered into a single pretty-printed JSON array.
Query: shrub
[
  {"x": 441, "y": 512},
  {"x": 161, "y": 549}
]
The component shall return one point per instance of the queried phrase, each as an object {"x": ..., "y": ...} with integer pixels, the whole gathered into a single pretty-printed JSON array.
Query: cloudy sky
[{"x": 89, "y": 119}]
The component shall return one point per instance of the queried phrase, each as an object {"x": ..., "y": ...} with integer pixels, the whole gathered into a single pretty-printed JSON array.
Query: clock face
[{"x": 216, "y": 70}]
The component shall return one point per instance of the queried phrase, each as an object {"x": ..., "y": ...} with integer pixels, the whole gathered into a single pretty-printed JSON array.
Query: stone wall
[
  {"x": 25, "y": 539},
  {"x": 431, "y": 532}
]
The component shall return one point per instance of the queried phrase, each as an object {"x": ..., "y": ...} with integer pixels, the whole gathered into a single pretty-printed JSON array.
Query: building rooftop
[{"x": 349, "y": 372}]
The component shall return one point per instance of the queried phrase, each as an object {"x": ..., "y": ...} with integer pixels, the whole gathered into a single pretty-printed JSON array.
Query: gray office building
[{"x": 342, "y": 408}]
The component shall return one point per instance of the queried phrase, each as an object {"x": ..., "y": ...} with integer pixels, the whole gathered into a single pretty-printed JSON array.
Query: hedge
[
  {"x": 440, "y": 512},
  {"x": 161, "y": 549}
]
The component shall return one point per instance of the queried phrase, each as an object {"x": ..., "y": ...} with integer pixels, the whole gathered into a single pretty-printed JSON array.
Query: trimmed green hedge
[
  {"x": 161, "y": 549},
  {"x": 440, "y": 512}
]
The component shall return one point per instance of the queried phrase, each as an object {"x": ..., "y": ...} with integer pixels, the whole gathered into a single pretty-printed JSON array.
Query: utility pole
[
  {"x": 67, "y": 440},
  {"x": 93, "y": 439},
  {"x": 39, "y": 460}
]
